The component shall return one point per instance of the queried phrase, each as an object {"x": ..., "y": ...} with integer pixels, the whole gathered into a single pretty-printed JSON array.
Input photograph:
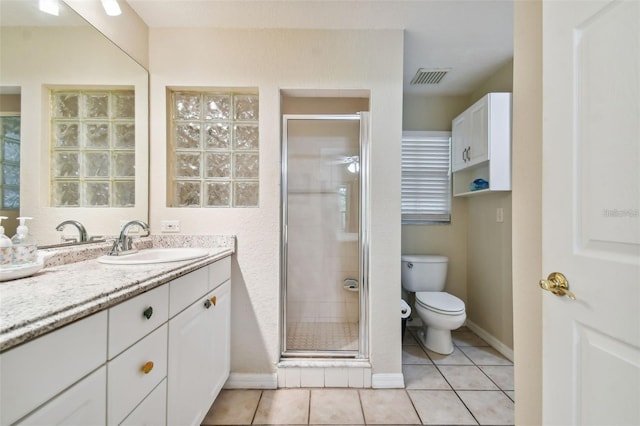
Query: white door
[{"x": 591, "y": 219}]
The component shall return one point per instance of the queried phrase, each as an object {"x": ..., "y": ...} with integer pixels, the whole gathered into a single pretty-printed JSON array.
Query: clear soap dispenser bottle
[
  {"x": 24, "y": 246},
  {"x": 6, "y": 251}
]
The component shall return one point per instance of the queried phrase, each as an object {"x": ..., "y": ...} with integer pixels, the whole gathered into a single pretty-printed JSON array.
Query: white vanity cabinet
[
  {"x": 481, "y": 145},
  {"x": 199, "y": 345},
  {"x": 35, "y": 372},
  {"x": 158, "y": 358}
]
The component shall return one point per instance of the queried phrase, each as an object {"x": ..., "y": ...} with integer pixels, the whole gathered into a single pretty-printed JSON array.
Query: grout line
[{"x": 255, "y": 412}]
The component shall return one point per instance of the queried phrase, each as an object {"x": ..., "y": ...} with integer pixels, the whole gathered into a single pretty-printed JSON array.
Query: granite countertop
[{"x": 62, "y": 293}]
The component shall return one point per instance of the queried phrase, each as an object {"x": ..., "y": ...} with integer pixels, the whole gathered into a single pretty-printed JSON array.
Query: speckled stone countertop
[{"x": 71, "y": 287}]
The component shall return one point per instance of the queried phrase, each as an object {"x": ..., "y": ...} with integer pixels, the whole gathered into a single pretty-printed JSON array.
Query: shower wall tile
[
  {"x": 336, "y": 377},
  {"x": 292, "y": 377},
  {"x": 356, "y": 377},
  {"x": 312, "y": 377}
]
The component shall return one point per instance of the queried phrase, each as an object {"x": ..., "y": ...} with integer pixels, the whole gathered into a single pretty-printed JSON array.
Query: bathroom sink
[{"x": 155, "y": 255}]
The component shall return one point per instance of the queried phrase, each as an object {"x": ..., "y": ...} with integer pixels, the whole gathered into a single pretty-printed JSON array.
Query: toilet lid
[{"x": 440, "y": 301}]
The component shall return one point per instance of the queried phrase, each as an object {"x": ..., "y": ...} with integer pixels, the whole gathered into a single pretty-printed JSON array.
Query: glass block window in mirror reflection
[
  {"x": 93, "y": 148},
  {"x": 10, "y": 162},
  {"x": 214, "y": 149}
]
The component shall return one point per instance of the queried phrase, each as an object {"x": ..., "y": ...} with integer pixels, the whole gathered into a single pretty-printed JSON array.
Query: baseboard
[
  {"x": 387, "y": 381},
  {"x": 251, "y": 381},
  {"x": 491, "y": 340}
]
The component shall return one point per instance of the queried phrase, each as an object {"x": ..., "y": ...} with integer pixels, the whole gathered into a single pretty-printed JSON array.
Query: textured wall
[{"x": 272, "y": 60}]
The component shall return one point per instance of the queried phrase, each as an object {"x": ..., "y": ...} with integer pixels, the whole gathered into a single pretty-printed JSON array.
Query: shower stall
[{"x": 324, "y": 236}]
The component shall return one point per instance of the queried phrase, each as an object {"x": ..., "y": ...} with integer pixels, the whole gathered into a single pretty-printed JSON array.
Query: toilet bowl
[{"x": 439, "y": 311}]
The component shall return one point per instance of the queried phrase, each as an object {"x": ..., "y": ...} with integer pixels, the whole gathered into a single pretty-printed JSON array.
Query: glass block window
[
  {"x": 93, "y": 148},
  {"x": 214, "y": 149},
  {"x": 10, "y": 162}
]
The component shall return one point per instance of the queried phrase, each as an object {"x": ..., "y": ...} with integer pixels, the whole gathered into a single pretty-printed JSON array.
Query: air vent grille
[{"x": 429, "y": 76}]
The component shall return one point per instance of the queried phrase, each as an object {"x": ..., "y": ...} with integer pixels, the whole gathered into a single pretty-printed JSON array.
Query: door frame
[{"x": 363, "y": 238}]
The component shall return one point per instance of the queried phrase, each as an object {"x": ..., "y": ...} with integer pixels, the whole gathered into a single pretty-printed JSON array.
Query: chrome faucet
[
  {"x": 81, "y": 229},
  {"x": 123, "y": 244}
]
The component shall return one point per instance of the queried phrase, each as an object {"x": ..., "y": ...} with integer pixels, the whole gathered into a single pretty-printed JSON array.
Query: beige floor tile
[
  {"x": 440, "y": 408},
  {"x": 388, "y": 407},
  {"x": 489, "y": 407},
  {"x": 502, "y": 375},
  {"x": 467, "y": 338},
  {"x": 335, "y": 406},
  {"x": 283, "y": 406},
  {"x": 457, "y": 357},
  {"x": 409, "y": 339},
  {"x": 466, "y": 377},
  {"x": 485, "y": 356},
  {"x": 414, "y": 355},
  {"x": 233, "y": 407},
  {"x": 423, "y": 377}
]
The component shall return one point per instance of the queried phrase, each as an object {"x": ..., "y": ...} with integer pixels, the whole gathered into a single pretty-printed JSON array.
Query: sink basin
[{"x": 156, "y": 255}]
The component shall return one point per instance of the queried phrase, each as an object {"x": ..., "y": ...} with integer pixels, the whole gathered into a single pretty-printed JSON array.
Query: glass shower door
[{"x": 322, "y": 253}]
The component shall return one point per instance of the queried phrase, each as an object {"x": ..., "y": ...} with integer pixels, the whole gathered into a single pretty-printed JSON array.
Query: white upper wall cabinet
[{"x": 481, "y": 145}]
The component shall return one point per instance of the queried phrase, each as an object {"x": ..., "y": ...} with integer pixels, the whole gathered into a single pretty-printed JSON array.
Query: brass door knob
[{"x": 557, "y": 284}]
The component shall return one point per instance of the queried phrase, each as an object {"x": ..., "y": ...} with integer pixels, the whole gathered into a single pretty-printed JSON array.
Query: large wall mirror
[{"x": 45, "y": 61}]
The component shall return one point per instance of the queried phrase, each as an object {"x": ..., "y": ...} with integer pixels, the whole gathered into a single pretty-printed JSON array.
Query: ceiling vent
[{"x": 429, "y": 76}]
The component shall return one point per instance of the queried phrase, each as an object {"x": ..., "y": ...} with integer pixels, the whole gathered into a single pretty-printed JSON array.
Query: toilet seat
[{"x": 440, "y": 302}]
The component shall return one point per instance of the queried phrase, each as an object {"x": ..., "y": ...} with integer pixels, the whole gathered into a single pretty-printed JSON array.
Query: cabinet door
[
  {"x": 459, "y": 142},
  {"x": 478, "y": 149},
  {"x": 85, "y": 403},
  {"x": 198, "y": 357},
  {"x": 152, "y": 411}
]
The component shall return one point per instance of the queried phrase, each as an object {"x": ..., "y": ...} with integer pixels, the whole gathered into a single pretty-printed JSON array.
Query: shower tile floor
[
  {"x": 322, "y": 336},
  {"x": 471, "y": 386}
]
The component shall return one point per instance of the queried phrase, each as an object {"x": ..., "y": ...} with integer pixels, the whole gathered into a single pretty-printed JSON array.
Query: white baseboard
[
  {"x": 251, "y": 381},
  {"x": 491, "y": 340},
  {"x": 387, "y": 381}
]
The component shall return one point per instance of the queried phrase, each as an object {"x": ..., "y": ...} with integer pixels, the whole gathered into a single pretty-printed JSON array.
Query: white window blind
[{"x": 426, "y": 177}]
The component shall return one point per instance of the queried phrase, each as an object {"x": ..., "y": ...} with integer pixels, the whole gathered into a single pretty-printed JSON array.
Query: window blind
[{"x": 426, "y": 177}]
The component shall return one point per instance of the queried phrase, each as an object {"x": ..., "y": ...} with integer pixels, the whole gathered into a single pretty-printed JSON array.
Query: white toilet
[{"x": 439, "y": 311}]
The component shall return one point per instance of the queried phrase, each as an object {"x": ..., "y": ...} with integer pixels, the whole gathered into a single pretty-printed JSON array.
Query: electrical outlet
[
  {"x": 170, "y": 226},
  {"x": 499, "y": 215}
]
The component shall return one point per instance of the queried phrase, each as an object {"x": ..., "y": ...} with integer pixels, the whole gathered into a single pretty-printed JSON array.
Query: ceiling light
[
  {"x": 111, "y": 7},
  {"x": 49, "y": 6}
]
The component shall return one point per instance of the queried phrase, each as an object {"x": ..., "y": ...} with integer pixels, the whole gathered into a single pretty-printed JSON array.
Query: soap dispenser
[
  {"x": 24, "y": 246},
  {"x": 6, "y": 251}
]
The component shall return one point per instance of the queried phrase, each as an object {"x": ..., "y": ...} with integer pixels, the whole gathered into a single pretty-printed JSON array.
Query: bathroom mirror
[{"x": 41, "y": 54}]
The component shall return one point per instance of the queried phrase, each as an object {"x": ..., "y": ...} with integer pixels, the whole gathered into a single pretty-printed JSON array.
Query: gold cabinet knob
[
  {"x": 557, "y": 284},
  {"x": 214, "y": 299},
  {"x": 147, "y": 367}
]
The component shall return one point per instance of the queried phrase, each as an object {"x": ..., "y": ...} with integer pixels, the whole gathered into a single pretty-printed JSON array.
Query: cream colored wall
[
  {"x": 273, "y": 60},
  {"x": 127, "y": 30},
  {"x": 435, "y": 114},
  {"x": 526, "y": 205},
  {"x": 489, "y": 282}
]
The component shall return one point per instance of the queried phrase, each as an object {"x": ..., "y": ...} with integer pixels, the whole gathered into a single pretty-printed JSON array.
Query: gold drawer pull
[
  {"x": 214, "y": 299},
  {"x": 147, "y": 367}
]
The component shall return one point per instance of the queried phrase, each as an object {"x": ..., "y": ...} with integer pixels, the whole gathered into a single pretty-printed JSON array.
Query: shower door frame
[{"x": 363, "y": 238}]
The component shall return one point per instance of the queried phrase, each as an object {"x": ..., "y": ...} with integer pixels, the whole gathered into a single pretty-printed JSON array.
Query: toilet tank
[{"x": 423, "y": 272}]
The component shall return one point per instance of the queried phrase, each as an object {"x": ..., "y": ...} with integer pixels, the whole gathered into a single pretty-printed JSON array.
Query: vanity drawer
[
  {"x": 219, "y": 272},
  {"x": 185, "y": 290},
  {"x": 151, "y": 411},
  {"x": 127, "y": 382},
  {"x": 130, "y": 321},
  {"x": 38, "y": 370}
]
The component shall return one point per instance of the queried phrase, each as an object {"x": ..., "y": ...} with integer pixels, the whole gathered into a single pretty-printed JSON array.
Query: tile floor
[
  {"x": 473, "y": 385},
  {"x": 330, "y": 336}
]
